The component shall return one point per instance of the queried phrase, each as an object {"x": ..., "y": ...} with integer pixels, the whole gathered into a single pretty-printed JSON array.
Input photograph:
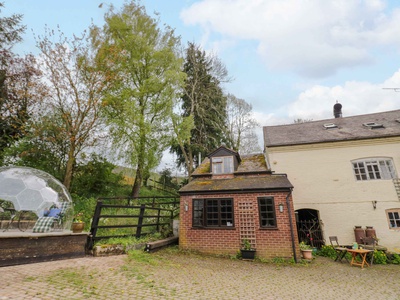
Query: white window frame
[
  {"x": 222, "y": 165},
  {"x": 381, "y": 168},
  {"x": 393, "y": 217}
]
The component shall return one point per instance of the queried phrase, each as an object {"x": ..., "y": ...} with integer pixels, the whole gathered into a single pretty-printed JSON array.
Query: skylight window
[
  {"x": 373, "y": 125},
  {"x": 330, "y": 126}
]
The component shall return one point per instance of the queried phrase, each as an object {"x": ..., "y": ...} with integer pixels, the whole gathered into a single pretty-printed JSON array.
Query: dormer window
[{"x": 222, "y": 165}]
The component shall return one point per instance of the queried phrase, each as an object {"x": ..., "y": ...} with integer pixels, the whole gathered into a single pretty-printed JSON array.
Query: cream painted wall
[{"x": 323, "y": 179}]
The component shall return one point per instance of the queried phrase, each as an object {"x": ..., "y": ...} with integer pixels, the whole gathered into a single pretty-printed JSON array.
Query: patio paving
[{"x": 169, "y": 274}]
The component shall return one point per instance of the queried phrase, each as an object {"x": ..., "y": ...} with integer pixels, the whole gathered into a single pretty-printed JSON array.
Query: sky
[{"x": 290, "y": 59}]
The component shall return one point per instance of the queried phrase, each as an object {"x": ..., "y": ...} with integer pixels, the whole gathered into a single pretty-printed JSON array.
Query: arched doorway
[{"x": 309, "y": 227}]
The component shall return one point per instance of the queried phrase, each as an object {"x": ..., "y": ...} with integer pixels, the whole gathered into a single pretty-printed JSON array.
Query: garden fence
[{"x": 131, "y": 217}]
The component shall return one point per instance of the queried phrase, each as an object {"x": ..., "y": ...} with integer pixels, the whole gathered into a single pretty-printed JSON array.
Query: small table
[{"x": 362, "y": 253}]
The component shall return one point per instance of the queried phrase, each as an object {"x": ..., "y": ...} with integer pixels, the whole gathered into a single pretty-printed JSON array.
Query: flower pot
[
  {"x": 77, "y": 227},
  {"x": 307, "y": 254},
  {"x": 248, "y": 254}
]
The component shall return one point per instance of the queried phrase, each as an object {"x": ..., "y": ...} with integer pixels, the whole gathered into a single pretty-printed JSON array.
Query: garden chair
[
  {"x": 53, "y": 220},
  {"x": 340, "y": 250},
  {"x": 370, "y": 241}
]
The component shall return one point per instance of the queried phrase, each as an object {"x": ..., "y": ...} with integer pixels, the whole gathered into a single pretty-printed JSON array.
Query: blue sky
[{"x": 289, "y": 58}]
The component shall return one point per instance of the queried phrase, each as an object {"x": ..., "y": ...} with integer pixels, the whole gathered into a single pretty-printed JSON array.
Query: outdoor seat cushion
[
  {"x": 43, "y": 224},
  {"x": 54, "y": 212}
]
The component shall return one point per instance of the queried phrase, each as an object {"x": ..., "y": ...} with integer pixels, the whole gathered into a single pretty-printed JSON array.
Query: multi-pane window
[
  {"x": 267, "y": 212},
  {"x": 212, "y": 212},
  {"x": 222, "y": 165},
  {"x": 373, "y": 169},
  {"x": 394, "y": 218}
]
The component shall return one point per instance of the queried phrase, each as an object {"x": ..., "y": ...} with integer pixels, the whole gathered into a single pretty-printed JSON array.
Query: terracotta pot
[
  {"x": 307, "y": 254},
  {"x": 77, "y": 227}
]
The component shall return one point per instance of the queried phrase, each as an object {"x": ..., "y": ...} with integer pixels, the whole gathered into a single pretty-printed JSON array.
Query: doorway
[{"x": 309, "y": 228}]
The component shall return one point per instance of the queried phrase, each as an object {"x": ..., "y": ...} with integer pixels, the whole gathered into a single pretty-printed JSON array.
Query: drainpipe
[{"x": 291, "y": 226}]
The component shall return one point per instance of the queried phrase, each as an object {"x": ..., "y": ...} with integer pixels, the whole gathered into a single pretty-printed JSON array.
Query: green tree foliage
[
  {"x": 20, "y": 92},
  {"x": 34, "y": 152},
  {"x": 96, "y": 178},
  {"x": 18, "y": 81},
  {"x": 70, "y": 118},
  {"x": 167, "y": 179},
  {"x": 141, "y": 62},
  {"x": 10, "y": 30},
  {"x": 204, "y": 104}
]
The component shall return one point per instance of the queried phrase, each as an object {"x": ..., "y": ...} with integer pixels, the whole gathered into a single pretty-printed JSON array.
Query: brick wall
[{"x": 270, "y": 242}]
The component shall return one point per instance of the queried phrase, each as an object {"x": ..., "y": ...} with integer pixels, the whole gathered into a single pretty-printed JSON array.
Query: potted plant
[
  {"x": 247, "y": 251},
  {"x": 306, "y": 250},
  {"x": 77, "y": 223}
]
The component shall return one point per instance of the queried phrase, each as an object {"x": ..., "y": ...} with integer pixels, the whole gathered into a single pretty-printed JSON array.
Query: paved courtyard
[{"x": 169, "y": 274}]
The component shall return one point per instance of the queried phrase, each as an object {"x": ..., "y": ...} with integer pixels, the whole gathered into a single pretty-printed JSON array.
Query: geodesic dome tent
[{"x": 34, "y": 190}]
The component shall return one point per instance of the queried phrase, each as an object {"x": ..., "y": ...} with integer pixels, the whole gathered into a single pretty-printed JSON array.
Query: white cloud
[
  {"x": 356, "y": 97},
  {"x": 310, "y": 37}
]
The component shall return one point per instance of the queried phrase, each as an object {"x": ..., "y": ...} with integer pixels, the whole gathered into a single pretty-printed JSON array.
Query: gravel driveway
[{"x": 170, "y": 274}]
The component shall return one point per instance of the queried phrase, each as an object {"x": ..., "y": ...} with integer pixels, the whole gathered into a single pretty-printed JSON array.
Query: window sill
[
  {"x": 215, "y": 228},
  {"x": 268, "y": 228}
]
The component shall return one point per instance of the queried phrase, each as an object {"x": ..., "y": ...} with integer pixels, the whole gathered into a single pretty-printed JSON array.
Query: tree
[
  {"x": 241, "y": 124},
  {"x": 19, "y": 84},
  {"x": 144, "y": 69},
  {"x": 10, "y": 30},
  {"x": 203, "y": 108},
  {"x": 33, "y": 151},
  {"x": 72, "y": 108},
  {"x": 20, "y": 92},
  {"x": 300, "y": 120},
  {"x": 95, "y": 177},
  {"x": 166, "y": 178}
]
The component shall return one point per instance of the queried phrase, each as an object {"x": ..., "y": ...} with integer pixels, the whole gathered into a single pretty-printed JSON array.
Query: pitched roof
[
  {"x": 237, "y": 184},
  {"x": 224, "y": 149},
  {"x": 251, "y": 163},
  {"x": 348, "y": 128},
  {"x": 251, "y": 175}
]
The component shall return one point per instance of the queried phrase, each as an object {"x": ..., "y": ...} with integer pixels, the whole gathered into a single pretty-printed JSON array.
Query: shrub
[
  {"x": 85, "y": 206},
  {"x": 380, "y": 257},
  {"x": 394, "y": 259},
  {"x": 327, "y": 251}
]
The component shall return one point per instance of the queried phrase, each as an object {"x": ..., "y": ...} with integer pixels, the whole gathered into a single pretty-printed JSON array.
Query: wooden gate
[
  {"x": 124, "y": 217},
  {"x": 310, "y": 232}
]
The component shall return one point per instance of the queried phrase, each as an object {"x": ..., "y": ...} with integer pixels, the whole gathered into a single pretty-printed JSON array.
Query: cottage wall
[
  {"x": 324, "y": 180},
  {"x": 270, "y": 243}
]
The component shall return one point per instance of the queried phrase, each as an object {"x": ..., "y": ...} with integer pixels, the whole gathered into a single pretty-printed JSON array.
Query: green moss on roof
[
  {"x": 202, "y": 182},
  {"x": 204, "y": 168},
  {"x": 238, "y": 183},
  {"x": 257, "y": 158}
]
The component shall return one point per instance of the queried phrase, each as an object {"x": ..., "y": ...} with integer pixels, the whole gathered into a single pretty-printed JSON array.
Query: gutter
[
  {"x": 231, "y": 191},
  {"x": 291, "y": 226}
]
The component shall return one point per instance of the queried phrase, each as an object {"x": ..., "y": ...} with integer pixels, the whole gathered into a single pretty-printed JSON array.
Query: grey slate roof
[
  {"x": 237, "y": 184},
  {"x": 349, "y": 128}
]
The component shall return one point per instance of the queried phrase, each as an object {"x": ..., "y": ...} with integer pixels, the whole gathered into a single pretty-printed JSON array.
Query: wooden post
[
  {"x": 140, "y": 221},
  {"x": 95, "y": 223},
  {"x": 158, "y": 220}
]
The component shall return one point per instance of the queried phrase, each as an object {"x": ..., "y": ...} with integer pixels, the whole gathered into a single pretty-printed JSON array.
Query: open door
[{"x": 309, "y": 228}]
